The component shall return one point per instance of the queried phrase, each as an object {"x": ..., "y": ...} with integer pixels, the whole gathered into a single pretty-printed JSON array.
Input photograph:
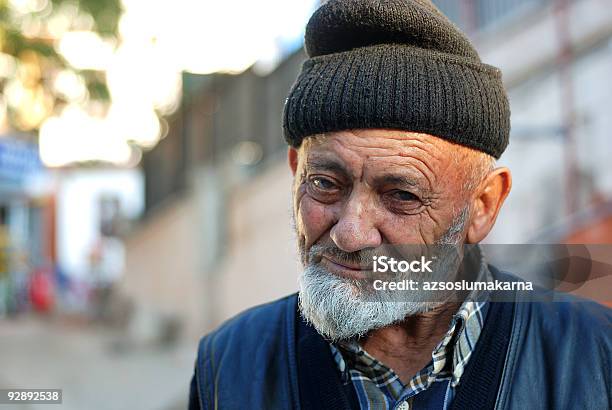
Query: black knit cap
[{"x": 396, "y": 64}]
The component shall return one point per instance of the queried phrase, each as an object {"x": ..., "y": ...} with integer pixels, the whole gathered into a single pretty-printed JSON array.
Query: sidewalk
[{"x": 81, "y": 360}]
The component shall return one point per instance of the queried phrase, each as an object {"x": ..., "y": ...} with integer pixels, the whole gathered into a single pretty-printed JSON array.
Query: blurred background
[{"x": 144, "y": 196}]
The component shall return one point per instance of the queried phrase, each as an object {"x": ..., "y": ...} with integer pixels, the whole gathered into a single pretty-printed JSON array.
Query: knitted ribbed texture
[{"x": 397, "y": 64}]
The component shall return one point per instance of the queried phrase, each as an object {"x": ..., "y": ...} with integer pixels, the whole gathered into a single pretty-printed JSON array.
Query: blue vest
[{"x": 530, "y": 355}]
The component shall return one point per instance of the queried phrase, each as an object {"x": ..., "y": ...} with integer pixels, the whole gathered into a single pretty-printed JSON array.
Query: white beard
[{"x": 340, "y": 309}]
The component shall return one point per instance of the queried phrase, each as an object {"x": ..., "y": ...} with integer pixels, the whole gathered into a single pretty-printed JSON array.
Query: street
[{"x": 93, "y": 372}]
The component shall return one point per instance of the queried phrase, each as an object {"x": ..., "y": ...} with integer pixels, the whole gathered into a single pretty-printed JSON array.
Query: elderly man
[{"x": 394, "y": 125}]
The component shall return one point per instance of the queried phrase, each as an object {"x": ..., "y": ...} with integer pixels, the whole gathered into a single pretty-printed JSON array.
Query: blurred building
[
  {"x": 60, "y": 230},
  {"x": 27, "y": 224},
  {"x": 95, "y": 207},
  {"x": 217, "y": 237},
  {"x": 216, "y": 230},
  {"x": 556, "y": 56}
]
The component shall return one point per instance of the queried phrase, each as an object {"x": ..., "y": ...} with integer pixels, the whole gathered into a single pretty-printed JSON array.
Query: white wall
[{"x": 78, "y": 210}]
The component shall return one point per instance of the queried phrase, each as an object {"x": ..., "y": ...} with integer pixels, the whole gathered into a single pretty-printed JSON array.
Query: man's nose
[{"x": 356, "y": 227}]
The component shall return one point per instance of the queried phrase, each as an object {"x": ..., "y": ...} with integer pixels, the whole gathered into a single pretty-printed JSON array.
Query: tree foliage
[{"x": 30, "y": 31}]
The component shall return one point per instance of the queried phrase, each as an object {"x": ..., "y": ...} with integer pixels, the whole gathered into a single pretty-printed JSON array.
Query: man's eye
[
  {"x": 323, "y": 183},
  {"x": 404, "y": 196}
]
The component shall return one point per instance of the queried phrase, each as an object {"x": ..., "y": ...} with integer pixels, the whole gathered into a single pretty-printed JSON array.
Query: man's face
[
  {"x": 361, "y": 190},
  {"x": 364, "y": 188}
]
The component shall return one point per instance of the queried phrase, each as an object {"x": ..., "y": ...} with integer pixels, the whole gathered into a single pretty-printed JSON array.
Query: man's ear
[
  {"x": 487, "y": 202},
  {"x": 292, "y": 157}
]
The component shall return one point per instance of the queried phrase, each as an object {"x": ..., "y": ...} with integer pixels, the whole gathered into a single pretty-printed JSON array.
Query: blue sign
[{"x": 18, "y": 160}]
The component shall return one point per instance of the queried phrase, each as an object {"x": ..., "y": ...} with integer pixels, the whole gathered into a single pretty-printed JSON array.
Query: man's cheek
[{"x": 314, "y": 219}]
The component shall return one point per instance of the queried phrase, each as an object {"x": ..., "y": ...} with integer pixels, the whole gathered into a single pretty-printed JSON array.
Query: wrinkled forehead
[{"x": 387, "y": 149}]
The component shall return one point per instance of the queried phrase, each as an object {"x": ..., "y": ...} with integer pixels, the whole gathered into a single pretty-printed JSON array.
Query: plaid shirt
[{"x": 378, "y": 387}]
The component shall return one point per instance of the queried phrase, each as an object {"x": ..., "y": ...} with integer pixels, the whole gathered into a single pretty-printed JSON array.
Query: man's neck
[{"x": 406, "y": 347}]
